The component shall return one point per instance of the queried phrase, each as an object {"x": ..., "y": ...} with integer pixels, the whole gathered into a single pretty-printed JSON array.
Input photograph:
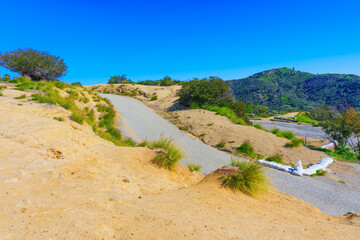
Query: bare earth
[{"x": 59, "y": 180}]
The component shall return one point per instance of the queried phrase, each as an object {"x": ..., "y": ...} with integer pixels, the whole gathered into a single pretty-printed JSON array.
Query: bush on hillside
[
  {"x": 250, "y": 178},
  {"x": 35, "y": 64}
]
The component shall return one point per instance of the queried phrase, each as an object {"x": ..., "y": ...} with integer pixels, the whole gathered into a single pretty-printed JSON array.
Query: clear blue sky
[{"x": 186, "y": 39}]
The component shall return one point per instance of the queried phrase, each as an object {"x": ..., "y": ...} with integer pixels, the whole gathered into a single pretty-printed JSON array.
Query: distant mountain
[{"x": 285, "y": 89}]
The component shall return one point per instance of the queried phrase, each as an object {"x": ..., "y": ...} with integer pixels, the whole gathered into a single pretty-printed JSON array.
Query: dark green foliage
[
  {"x": 284, "y": 89},
  {"x": 33, "y": 63},
  {"x": 213, "y": 94},
  {"x": 221, "y": 144},
  {"x": 119, "y": 79},
  {"x": 250, "y": 179},
  {"x": 154, "y": 97},
  {"x": 276, "y": 158},
  {"x": 21, "y": 97},
  {"x": 166, "y": 81},
  {"x": 77, "y": 84},
  {"x": 183, "y": 128}
]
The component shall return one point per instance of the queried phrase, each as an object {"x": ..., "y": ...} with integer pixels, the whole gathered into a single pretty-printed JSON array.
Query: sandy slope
[{"x": 59, "y": 180}]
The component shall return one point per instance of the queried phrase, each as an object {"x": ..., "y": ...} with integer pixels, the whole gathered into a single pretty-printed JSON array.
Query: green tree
[
  {"x": 35, "y": 64},
  {"x": 119, "y": 79}
]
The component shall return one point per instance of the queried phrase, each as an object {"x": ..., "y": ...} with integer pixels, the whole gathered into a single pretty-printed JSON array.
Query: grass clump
[
  {"x": 319, "y": 173},
  {"x": 183, "y": 128},
  {"x": 154, "y": 97},
  {"x": 247, "y": 149},
  {"x": 194, "y": 167},
  {"x": 276, "y": 158},
  {"x": 342, "y": 181},
  {"x": 258, "y": 126},
  {"x": 294, "y": 143},
  {"x": 78, "y": 116},
  {"x": 170, "y": 155},
  {"x": 221, "y": 144},
  {"x": 21, "y": 97},
  {"x": 60, "y": 119},
  {"x": 250, "y": 179}
]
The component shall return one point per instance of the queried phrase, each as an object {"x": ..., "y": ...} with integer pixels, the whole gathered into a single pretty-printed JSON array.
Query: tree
[
  {"x": 35, "y": 64},
  {"x": 119, "y": 79}
]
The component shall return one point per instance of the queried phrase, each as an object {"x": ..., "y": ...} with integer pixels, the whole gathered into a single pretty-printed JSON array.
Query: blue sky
[{"x": 186, "y": 39}]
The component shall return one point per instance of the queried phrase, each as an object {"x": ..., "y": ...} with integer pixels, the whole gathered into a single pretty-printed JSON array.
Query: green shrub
[
  {"x": 223, "y": 111},
  {"x": 246, "y": 149},
  {"x": 194, "y": 167},
  {"x": 154, "y": 97},
  {"x": 294, "y": 143},
  {"x": 184, "y": 128},
  {"x": 21, "y": 97},
  {"x": 78, "y": 116},
  {"x": 286, "y": 134},
  {"x": 250, "y": 179},
  {"x": 171, "y": 155},
  {"x": 60, "y": 119},
  {"x": 258, "y": 126},
  {"x": 275, "y": 131},
  {"x": 276, "y": 158},
  {"x": 221, "y": 144},
  {"x": 1, "y": 94},
  {"x": 319, "y": 173}
]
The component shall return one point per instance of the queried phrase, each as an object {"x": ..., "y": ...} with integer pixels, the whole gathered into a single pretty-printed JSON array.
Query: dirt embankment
[{"x": 60, "y": 180}]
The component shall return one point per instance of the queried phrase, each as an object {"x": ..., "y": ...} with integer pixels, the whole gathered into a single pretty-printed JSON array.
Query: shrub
[
  {"x": 154, "y": 97},
  {"x": 60, "y": 119},
  {"x": 78, "y": 84},
  {"x": 319, "y": 173},
  {"x": 250, "y": 179},
  {"x": 33, "y": 63},
  {"x": 184, "y": 128},
  {"x": 78, "y": 116},
  {"x": 221, "y": 144},
  {"x": 258, "y": 126},
  {"x": 276, "y": 158},
  {"x": 194, "y": 167},
  {"x": 171, "y": 155},
  {"x": 21, "y": 97},
  {"x": 246, "y": 149},
  {"x": 294, "y": 143}
]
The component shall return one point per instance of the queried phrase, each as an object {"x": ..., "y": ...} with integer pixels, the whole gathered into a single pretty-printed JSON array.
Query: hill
[{"x": 287, "y": 89}]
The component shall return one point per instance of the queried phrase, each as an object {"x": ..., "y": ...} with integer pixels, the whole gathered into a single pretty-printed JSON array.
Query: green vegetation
[
  {"x": 276, "y": 158},
  {"x": 249, "y": 179},
  {"x": 170, "y": 155},
  {"x": 213, "y": 94},
  {"x": 223, "y": 111},
  {"x": 319, "y": 173},
  {"x": 194, "y": 167},
  {"x": 284, "y": 89},
  {"x": 154, "y": 97},
  {"x": 77, "y": 84},
  {"x": 295, "y": 142},
  {"x": 166, "y": 81},
  {"x": 50, "y": 93},
  {"x": 35, "y": 64},
  {"x": 21, "y": 97},
  {"x": 183, "y": 128},
  {"x": 342, "y": 181},
  {"x": 344, "y": 156},
  {"x": 119, "y": 79},
  {"x": 247, "y": 150},
  {"x": 221, "y": 144},
  {"x": 304, "y": 117},
  {"x": 60, "y": 119}
]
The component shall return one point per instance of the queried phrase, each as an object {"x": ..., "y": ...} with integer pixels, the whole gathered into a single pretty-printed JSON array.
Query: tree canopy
[{"x": 37, "y": 65}]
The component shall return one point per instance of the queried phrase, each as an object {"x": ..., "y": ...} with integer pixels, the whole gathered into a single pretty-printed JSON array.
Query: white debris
[
  {"x": 329, "y": 145},
  {"x": 299, "y": 171}
]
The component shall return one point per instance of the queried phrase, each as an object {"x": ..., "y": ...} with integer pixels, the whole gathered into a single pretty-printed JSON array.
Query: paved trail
[{"x": 140, "y": 122}]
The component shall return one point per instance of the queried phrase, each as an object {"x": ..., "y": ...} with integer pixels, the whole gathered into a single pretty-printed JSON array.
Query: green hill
[{"x": 287, "y": 89}]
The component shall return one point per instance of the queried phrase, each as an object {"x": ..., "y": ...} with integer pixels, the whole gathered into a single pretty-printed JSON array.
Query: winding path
[{"x": 140, "y": 122}]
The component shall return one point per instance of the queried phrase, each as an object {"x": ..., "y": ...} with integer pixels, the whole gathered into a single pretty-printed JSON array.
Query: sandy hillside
[
  {"x": 59, "y": 180},
  {"x": 211, "y": 128}
]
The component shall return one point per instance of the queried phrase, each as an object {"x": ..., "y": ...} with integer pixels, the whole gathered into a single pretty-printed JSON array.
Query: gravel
[{"x": 139, "y": 122}]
